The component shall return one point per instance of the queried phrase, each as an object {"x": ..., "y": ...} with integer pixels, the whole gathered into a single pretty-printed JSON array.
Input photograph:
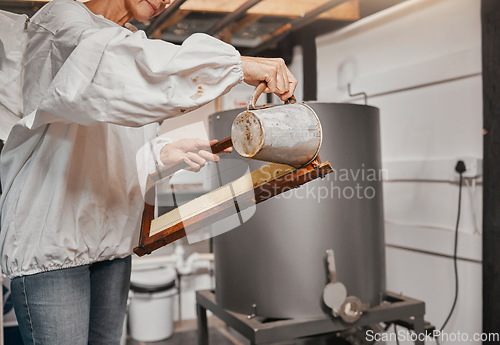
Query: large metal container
[{"x": 276, "y": 261}]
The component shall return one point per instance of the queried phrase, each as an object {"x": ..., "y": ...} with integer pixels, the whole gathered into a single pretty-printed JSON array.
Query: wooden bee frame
[{"x": 292, "y": 179}]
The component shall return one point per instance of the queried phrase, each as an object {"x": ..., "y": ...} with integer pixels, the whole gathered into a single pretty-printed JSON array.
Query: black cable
[{"x": 460, "y": 168}]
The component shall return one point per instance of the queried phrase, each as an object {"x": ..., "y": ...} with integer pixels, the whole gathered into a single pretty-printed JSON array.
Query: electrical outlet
[{"x": 473, "y": 167}]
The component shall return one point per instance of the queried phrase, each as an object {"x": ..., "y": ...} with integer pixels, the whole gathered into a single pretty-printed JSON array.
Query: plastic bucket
[{"x": 150, "y": 313}]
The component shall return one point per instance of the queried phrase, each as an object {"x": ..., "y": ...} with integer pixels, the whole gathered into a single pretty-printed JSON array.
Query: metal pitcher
[{"x": 287, "y": 134}]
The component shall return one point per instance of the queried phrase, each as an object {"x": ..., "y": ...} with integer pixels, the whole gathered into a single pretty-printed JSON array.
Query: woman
[{"x": 94, "y": 93}]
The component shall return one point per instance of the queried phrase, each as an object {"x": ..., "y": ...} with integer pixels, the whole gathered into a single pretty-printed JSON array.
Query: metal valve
[
  {"x": 335, "y": 297},
  {"x": 335, "y": 292}
]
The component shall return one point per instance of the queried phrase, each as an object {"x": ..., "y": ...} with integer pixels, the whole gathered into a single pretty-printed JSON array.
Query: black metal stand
[{"x": 396, "y": 308}]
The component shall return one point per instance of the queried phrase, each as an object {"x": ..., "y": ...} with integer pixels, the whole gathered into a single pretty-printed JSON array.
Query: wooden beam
[
  {"x": 296, "y": 24},
  {"x": 232, "y": 17},
  {"x": 283, "y": 8},
  {"x": 226, "y": 35},
  {"x": 347, "y": 11},
  {"x": 224, "y": 6},
  {"x": 277, "y": 33},
  {"x": 299, "y": 8},
  {"x": 164, "y": 16},
  {"x": 245, "y": 22},
  {"x": 176, "y": 17}
]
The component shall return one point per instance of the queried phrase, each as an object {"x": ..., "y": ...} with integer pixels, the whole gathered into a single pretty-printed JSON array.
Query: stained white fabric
[{"x": 93, "y": 93}]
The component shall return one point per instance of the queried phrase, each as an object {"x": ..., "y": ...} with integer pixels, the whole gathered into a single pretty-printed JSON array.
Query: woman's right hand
[{"x": 274, "y": 72}]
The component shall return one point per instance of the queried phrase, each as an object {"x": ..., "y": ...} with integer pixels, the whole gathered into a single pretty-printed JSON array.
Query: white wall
[{"x": 436, "y": 42}]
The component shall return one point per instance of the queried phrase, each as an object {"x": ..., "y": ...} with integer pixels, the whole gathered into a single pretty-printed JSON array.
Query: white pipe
[
  {"x": 194, "y": 262},
  {"x": 207, "y": 256}
]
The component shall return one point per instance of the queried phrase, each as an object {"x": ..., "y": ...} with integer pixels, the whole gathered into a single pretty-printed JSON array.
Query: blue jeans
[{"x": 73, "y": 306}]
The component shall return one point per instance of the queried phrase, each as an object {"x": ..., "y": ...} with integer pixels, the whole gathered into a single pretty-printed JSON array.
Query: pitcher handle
[{"x": 258, "y": 91}]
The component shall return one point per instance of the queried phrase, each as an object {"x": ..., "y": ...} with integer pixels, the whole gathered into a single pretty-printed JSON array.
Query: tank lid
[{"x": 153, "y": 279}]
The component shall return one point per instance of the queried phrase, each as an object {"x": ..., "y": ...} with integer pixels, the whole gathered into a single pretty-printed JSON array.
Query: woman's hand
[
  {"x": 274, "y": 72},
  {"x": 194, "y": 152}
]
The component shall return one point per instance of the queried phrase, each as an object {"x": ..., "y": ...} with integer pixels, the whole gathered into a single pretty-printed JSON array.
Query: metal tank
[{"x": 274, "y": 265}]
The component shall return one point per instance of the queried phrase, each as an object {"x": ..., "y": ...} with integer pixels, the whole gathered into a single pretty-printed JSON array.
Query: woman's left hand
[{"x": 194, "y": 152}]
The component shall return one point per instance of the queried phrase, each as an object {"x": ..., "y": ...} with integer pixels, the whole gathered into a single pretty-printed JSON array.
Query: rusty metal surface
[{"x": 248, "y": 134}]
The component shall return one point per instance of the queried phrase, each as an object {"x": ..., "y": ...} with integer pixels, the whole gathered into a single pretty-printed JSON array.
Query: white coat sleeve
[
  {"x": 158, "y": 144},
  {"x": 120, "y": 77}
]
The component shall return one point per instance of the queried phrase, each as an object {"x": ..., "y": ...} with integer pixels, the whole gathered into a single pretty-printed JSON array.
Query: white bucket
[{"x": 151, "y": 304}]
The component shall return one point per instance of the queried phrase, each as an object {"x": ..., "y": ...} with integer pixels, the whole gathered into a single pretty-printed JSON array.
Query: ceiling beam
[
  {"x": 164, "y": 16},
  {"x": 232, "y": 16},
  {"x": 299, "y": 8},
  {"x": 348, "y": 11},
  {"x": 246, "y": 21},
  {"x": 283, "y": 8},
  {"x": 174, "y": 19},
  {"x": 295, "y": 25},
  {"x": 279, "y": 8}
]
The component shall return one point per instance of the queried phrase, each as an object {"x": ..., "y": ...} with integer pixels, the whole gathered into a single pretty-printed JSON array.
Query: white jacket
[
  {"x": 13, "y": 38},
  {"x": 93, "y": 94}
]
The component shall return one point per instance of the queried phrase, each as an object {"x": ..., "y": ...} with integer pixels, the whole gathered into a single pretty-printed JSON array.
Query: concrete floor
[
  {"x": 185, "y": 333},
  {"x": 188, "y": 338}
]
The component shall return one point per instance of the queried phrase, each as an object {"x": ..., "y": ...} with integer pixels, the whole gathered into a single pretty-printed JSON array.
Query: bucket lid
[{"x": 153, "y": 279}]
